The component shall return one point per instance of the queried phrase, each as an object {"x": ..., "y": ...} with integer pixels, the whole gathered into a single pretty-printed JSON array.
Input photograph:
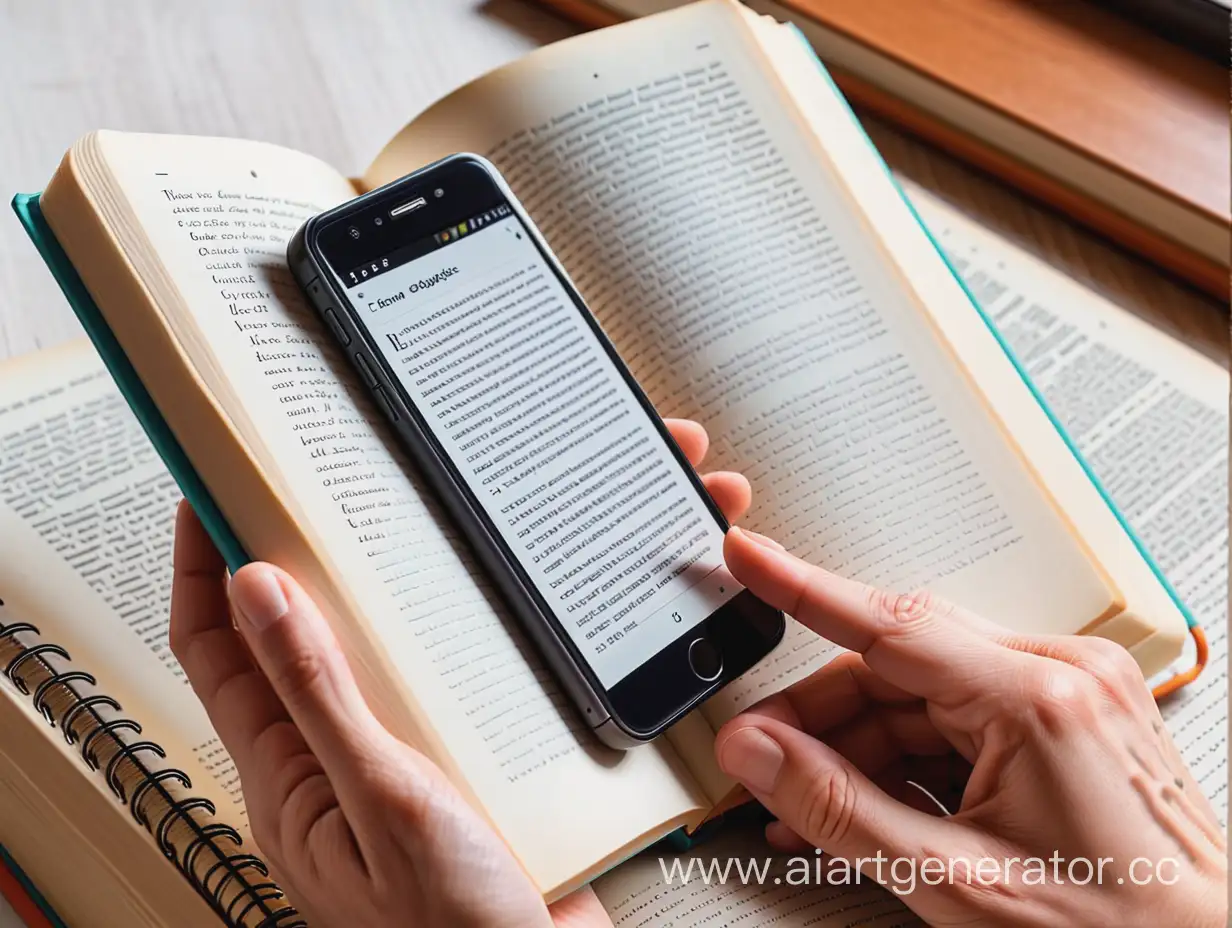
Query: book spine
[{"x": 185, "y": 827}]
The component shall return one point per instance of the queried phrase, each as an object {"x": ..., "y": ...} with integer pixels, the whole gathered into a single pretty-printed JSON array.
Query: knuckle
[
  {"x": 989, "y": 894},
  {"x": 829, "y": 808},
  {"x": 308, "y": 796},
  {"x": 901, "y": 610},
  {"x": 298, "y": 673},
  {"x": 207, "y": 661},
  {"x": 191, "y": 648},
  {"x": 193, "y": 653},
  {"x": 265, "y": 830},
  {"x": 233, "y": 692},
  {"x": 813, "y": 589},
  {"x": 278, "y": 745},
  {"x": 177, "y": 640},
  {"x": 938, "y": 608},
  {"x": 1062, "y": 697},
  {"x": 1110, "y": 663}
]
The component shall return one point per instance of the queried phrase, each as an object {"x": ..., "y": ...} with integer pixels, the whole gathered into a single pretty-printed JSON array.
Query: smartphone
[{"x": 509, "y": 398}]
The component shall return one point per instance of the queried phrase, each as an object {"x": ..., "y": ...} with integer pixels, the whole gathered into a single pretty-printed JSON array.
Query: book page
[
  {"x": 86, "y": 517},
  {"x": 217, "y": 215},
  {"x": 1151, "y": 625},
  {"x": 698, "y": 216},
  {"x": 738, "y": 878},
  {"x": 1151, "y": 417}
]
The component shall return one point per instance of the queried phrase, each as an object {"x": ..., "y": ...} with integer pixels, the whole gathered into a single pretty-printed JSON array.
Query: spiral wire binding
[{"x": 236, "y": 885}]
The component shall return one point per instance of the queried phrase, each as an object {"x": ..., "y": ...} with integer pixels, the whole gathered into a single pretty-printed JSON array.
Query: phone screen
[{"x": 513, "y": 381}]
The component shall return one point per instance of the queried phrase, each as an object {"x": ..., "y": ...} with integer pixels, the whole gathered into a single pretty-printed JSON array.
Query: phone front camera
[
  {"x": 438, "y": 192},
  {"x": 354, "y": 232}
]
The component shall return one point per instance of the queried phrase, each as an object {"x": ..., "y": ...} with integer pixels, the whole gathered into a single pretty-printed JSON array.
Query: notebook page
[
  {"x": 729, "y": 267},
  {"x": 1150, "y": 415},
  {"x": 86, "y": 517},
  {"x": 500, "y": 713}
]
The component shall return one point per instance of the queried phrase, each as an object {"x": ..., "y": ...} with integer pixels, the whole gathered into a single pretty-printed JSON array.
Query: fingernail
[
  {"x": 753, "y": 758},
  {"x": 763, "y": 540},
  {"x": 258, "y": 597}
]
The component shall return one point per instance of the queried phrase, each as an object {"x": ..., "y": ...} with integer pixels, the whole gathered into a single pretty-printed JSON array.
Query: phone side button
[
  {"x": 386, "y": 406},
  {"x": 335, "y": 326},
  {"x": 362, "y": 363}
]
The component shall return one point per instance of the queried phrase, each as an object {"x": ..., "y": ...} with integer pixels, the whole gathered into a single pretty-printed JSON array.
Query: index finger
[
  {"x": 234, "y": 693},
  {"x": 691, "y": 437},
  {"x": 198, "y": 594},
  {"x": 938, "y": 657}
]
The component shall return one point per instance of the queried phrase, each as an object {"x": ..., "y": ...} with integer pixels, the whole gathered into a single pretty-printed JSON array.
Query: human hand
[
  {"x": 1067, "y": 755},
  {"x": 359, "y": 828}
]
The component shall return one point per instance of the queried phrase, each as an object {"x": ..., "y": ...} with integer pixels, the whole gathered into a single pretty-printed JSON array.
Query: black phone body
[{"x": 506, "y": 394}]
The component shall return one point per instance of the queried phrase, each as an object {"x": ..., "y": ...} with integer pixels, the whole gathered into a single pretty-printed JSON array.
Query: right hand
[{"x": 1068, "y": 756}]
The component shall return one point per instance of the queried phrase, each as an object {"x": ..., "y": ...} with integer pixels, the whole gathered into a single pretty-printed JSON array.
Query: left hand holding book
[{"x": 358, "y": 825}]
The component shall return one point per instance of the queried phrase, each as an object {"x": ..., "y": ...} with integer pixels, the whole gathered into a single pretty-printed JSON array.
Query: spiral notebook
[
  {"x": 88, "y": 687},
  {"x": 184, "y": 825}
]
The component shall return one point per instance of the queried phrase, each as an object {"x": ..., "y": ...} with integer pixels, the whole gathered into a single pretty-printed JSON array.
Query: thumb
[
  {"x": 826, "y": 800},
  {"x": 298, "y": 654}
]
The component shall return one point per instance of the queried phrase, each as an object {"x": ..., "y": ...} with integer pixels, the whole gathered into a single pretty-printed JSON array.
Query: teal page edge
[{"x": 40, "y": 902}]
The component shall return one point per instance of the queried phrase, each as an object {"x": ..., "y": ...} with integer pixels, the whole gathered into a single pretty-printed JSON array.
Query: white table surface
[{"x": 337, "y": 80}]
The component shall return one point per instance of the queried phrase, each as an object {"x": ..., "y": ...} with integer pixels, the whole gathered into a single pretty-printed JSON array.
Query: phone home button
[{"x": 705, "y": 659}]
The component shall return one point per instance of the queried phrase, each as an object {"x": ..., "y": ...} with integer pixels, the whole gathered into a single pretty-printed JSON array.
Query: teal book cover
[{"x": 133, "y": 390}]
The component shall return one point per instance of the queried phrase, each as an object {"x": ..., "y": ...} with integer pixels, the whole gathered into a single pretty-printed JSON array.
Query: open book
[
  {"x": 752, "y": 260},
  {"x": 86, "y": 517},
  {"x": 107, "y": 603}
]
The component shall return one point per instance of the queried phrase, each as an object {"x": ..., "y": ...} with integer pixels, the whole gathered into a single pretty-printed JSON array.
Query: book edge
[{"x": 29, "y": 213}]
